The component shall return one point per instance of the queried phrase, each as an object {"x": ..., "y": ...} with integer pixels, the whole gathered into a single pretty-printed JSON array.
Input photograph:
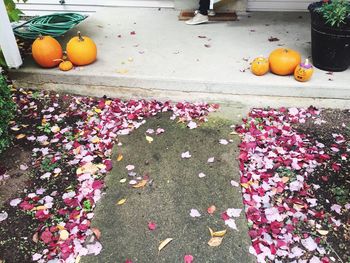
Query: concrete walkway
[
  {"x": 149, "y": 53},
  {"x": 174, "y": 190}
]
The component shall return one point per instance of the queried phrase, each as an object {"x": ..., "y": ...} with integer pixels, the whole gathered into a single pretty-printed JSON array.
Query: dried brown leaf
[
  {"x": 164, "y": 243},
  {"x": 97, "y": 232},
  {"x": 140, "y": 184},
  {"x": 120, "y": 157},
  {"x": 215, "y": 241}
]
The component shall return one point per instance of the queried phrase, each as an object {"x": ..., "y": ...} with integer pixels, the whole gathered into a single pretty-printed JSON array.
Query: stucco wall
[{"x": 232, "y": 5}]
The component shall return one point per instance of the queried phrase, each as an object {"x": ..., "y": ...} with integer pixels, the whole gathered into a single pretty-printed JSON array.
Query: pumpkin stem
[
  {"x": 41, "y": 37},
  {"x": 80, "y": 37}
]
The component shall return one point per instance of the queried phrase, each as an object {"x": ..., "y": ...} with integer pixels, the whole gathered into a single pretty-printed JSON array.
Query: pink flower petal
[{"x": 188, "y": 259}]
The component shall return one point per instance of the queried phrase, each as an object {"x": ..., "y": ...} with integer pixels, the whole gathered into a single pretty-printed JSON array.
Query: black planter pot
[{"x": 330, "y": 45}]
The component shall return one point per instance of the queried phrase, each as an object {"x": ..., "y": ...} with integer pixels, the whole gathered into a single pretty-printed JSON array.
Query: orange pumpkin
[
  {"x": 65, "y": 65},
  {"x": 46, "y": 51},
  {"x": 260, "y": 66},
  {"x": 303, "y": 72},
  {"x": 283, "y": 61},
  {"x": 81, "y": 50}
]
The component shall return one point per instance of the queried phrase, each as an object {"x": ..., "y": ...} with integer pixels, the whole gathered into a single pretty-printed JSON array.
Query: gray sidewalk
[{"x": 174, "y": 190}]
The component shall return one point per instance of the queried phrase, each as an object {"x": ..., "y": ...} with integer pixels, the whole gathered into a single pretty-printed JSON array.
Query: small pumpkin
[
  {"x": 303, "y": 72},
  {"x": 65, "y": 65},
  {"x": 81, "y": 50},
  {"x": 46, "y": 51},
  {"x": 283, "y": 61},
  {"x": 260, "y": 66}
]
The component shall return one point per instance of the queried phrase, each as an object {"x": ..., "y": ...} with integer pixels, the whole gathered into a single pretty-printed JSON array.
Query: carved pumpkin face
[
  {"x": 260, "y": 66},
  {"x": 303, "y": 72}
]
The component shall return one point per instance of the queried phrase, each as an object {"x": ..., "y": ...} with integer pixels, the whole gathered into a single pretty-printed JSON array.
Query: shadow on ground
[{"x": 175, "y": 190}]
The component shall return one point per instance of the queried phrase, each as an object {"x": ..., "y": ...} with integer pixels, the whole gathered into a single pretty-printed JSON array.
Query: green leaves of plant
[
  {"x": 7, "y": 108},
  {"x": 12, "y": 11},
  {"x": 335, "y": 12}
]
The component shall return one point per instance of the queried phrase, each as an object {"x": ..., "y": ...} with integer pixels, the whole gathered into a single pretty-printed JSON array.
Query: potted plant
[{"x": 330, "y": 34}]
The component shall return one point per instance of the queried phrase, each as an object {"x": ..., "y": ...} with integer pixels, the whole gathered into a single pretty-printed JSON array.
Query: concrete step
[{"x": 149, "y": 53}]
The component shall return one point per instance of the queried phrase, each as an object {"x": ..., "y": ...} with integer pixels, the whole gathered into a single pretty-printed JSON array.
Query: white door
[
  {"x": 278, "y": 5},
  {"x": 40, "y": 7}
]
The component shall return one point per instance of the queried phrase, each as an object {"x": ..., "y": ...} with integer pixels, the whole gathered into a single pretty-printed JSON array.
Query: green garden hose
[{"x": 50, "y": 25}]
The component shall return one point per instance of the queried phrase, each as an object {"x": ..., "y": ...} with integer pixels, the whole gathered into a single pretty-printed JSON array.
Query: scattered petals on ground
[
  {"x": 73, "y": 139},
  {"x": 276, "y": 164}
]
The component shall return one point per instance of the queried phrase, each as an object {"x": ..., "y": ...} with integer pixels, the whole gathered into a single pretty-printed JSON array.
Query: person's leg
[
  {"x": 201, "y": 16},
  {"x": 204, "y": 6}
]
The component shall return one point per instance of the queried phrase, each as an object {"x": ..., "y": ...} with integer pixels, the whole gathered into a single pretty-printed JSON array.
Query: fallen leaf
[
  {"x": 140, "y": 184},
  {"x": 234, "y": 183},
  {"x": 164, "y": 243},
  {"x": 211, "y": 160},
  {"x": 121, "y": 201},
  {"x": 211, "y": 231},
  {"x": 150, "y": 131},
  {"x": 152, "y": 226},
  {"x": 322, "y": 232},
  {"x": 97, "y": 232},
  {"x": 20, "y": 136},
  {"x": 192, "y": 125},
  {"x": 159, "y": 131},
  {"x": 231, "y": 223},
  {"x": 15, "y": 202},
  {"x": 215, "y": 241},
  {"x": 132, "y": 182},
  {"x": 122, "y": 180},
  {"x": 220, "y": 233},
  {"x": 130, "y": 167},
  {"x": 285, "y": 179},
  {"x": 87, "y": 168},
  {"x": 149, "y": 139},
  {"x": 186, "y": 155},
  {"x": 201, "y": 175},
  {"x": 309, "y": 244},
  {"x": 35, "y": 237},
  {"x": 23, "y": 167},
  {"x": 195, "y": 213},
  {"x": 132, "y": 33},
  {"x": 188, "y": 259},
  {"x": 120, "y": 157},
  {"x": 64, "y": 234},
  {"x": 211, "y": 209},
  {"x": 55, "y": 129},
  {"x": 202, "y": 37},
  {"x": 35, "y": 257},
  {"x": 122, "y": 71},
  {"x": 223, "y": 142},
  {"x": 233, "y": 212},
  {"x": 207, "y": 45},
  {"x": 273, "y": 39},
  {"x": 337, "y": 208}
]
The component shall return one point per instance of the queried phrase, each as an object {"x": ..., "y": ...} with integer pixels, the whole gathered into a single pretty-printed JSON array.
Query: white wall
[
  {"x": 231, "y": 5},
  {"x": 39, "y": 7},
  {"x": 278, "y": 5}
]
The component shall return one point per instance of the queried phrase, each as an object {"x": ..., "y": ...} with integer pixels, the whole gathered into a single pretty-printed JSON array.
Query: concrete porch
[{"x": 149, "y": 53}]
